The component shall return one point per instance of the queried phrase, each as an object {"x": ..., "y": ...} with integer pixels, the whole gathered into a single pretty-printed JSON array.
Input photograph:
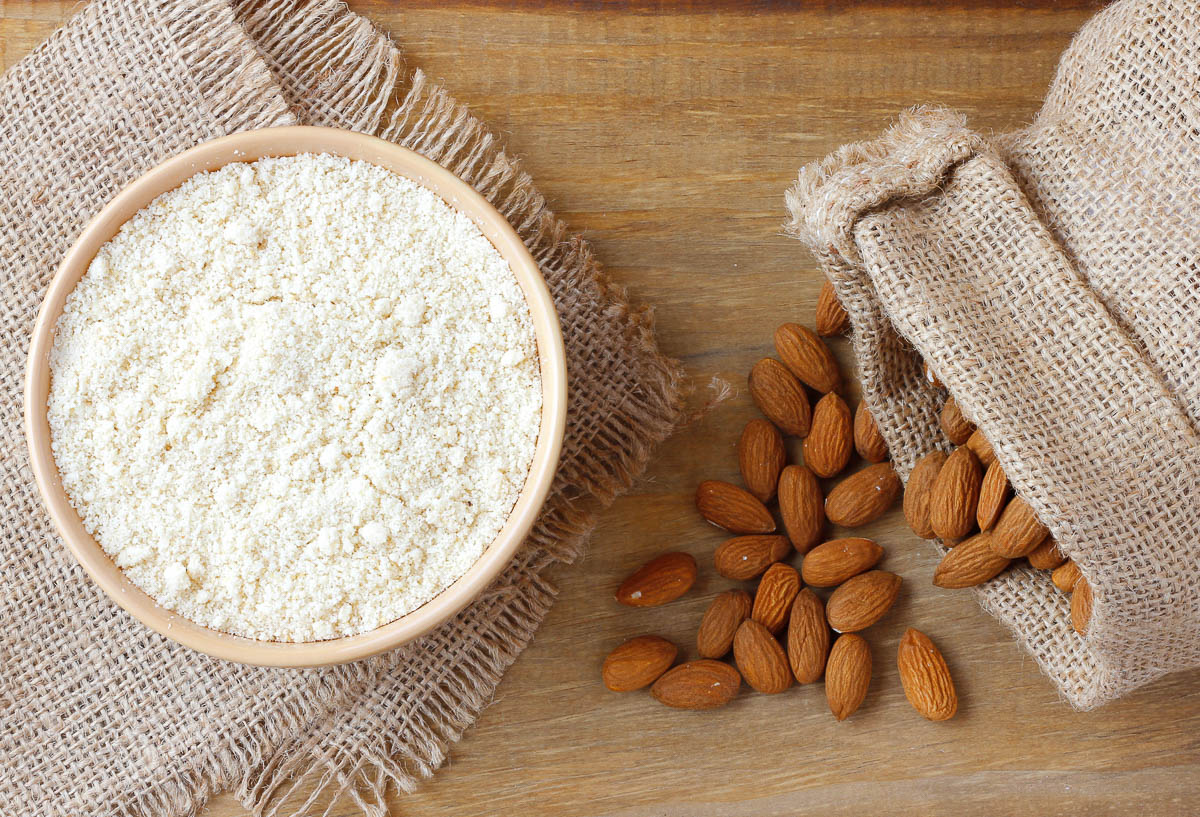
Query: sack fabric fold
[
  {"x": 1049, "y": 277},
  {"x": 98, "y": 715}
]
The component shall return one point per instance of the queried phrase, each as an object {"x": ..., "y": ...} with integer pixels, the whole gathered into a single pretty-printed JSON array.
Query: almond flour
[{"x": 294, "y": 399}]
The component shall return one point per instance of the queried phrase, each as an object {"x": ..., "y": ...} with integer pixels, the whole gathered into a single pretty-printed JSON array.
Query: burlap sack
[
  {"x": 1050, "y": 278},
  {"x": 98, "y": 715}
]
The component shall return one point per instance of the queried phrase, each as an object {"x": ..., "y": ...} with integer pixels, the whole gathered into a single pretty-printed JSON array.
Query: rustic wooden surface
[{"x": 667, "y": 135}]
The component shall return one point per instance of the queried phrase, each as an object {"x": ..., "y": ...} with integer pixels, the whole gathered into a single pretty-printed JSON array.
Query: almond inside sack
[{"x": 1049, "y": 278}]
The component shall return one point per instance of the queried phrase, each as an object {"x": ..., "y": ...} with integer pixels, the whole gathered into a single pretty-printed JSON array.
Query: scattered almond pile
[{"x": 786, "y": 631}]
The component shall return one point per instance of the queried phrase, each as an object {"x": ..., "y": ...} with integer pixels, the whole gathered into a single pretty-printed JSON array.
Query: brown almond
[
  {"x": 662, "y": 579},
  {"x": 1018, "y": 531},
  {"x": 1046, "y": 556},
  {"x": 970, "y": 563},
  {"x": 993, "y": 496},
  {"x": 802, "y": 506},
  {"x": 862, "y": 600},
  {"x": 916, "y": 492},
  {"x": 1081, "y": 605},
  {"x": 932, "y": 378},
  {"x": 807, "y": 637},
  {"x": 745, "y": 557},
  {"x": 702, "y": 684},
  {"x": 925, "y": 677},
  {"x": 867, "y": 440},
  {"x": 776, "y": 592},
  {"x": 1065, "y": 576},
  {"x": 637, "y": 663},
  {"x": 721, "y": 620},
  {"x": 954, "y": 497},
  {"x": 863, "y": 497},
  {"x": 807, "y": 356},
  {"x": 779, "y": 396},
  {"x": 761, "y": 456},
  {"x": 847, "y": 675},
  {"x": 760, "y": 659},
  {"x": 728, "y": 506},
  {"x": 830, "y": 442},
  {"x": 981, "y": 448},
  {"x": 831, "y": 315},
  {"x": 835, "y": 561},
  {"x": 957, "y": 427}
]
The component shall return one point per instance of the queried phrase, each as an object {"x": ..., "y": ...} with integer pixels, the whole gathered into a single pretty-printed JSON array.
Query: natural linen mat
[
  {"x": 1050, "y": 278},
  {"x": 98, "y": 715}
]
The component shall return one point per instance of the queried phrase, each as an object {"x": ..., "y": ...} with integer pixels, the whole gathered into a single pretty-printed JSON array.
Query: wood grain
[{"x": 667, "y": 134}]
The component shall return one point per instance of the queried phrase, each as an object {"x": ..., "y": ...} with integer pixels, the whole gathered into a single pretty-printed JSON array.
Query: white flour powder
[{"x": 295, "y": 399}]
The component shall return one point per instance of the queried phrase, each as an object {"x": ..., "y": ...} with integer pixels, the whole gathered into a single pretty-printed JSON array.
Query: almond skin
[
  {"x": 728, "y": 506},
  {"x": 760, "y": 659},
  {"x": 1018, "y": 531},
  {"x": 831, "y": 316},
  {"x": 702, "y": 684},
  {"x": 916, "y": 493},
  {"x": 761, "y": 456},
  {"x": 807, "y": 356},
  {"x": 957, "y": 427},
  {"x": 1081, "y": 605},
  {"x": 847, "y": 675},
  {"x": 779, "y": 396},
  {"x": 745, "y": 557},
  {"x": 721, "y": 620},
  {"x": 862, "y": 600},
  {"x": 863, "y": 497},
  {"x": 1065, "y": 576},
  {"x": 830, "y": 442},
  {"x": 954, "y": 497},
  {"x": 970, "y": 563},
  {"x": 981, "y": 448},
  {"x": 637, "y": 663},
  {"x": 659, "y": 581},
  {"x": 807, "y": 637},
  {"x": 867, "y": 440},
  {"x": 925, "y": 677},
  {"x": 1046, "y": 556},
  {"x": 775, "y": 595},
  {"x": 930, "y": 376},
  {"x": 993, "y": 496},
  {"x": 802, "y": 506},
  {"x": 835, "y": 561}
]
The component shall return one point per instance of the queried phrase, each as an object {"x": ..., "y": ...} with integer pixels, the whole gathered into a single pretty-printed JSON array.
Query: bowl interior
[{"x": 250, "y": 146}]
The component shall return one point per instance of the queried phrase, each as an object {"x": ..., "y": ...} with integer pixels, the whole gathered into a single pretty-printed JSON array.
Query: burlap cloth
[
  {"x": 1050, "y": 277},
  {"x": 98, "y": 715}
]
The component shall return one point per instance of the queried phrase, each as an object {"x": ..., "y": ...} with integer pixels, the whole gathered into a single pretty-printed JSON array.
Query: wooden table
[{"x": 667, "y": 135}]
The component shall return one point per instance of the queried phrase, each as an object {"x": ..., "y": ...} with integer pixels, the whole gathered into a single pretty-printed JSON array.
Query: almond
[
  {"x": 1018, "y": 531},
  {"x": 954, "y": 497},
  {"x": 1081, "y": 605},
  {"x": 802, "y": 506},
  {"x": 776, "y": 592},
  {"x": 863, "y": 496},
  {"x": 970, "y": 563},
  {"x": 867, "y": 440},
  {"x": 761, "y": 456},
  {"x": 916, "y": 493},
  {"x": 760, "y": 659},
  {"x": 830, "y": 442},
  {"x": 807, "y": 637},
  {"x": 744, "y": 557},
  {"x": 1065, "y": 576},
  {"x": 779, "y": 396},
  {"x": 807, "y": 356},
  {"x": 702, "y": 684},
  {"x": 1046, "y": 556},
  {"x": 833, "y": 562},
  {"x": 728, "y": 506},
  {"x": 862, "y": 600},
  {"x": 925, "y": 677},
  {"x": 930, "y": 377},
  {"x": 831, "y": 316},
  {"x": 981, "y": 448},
  {"x": 847, "y": 675},
  {"x": 659, "y": 581},
  {"x": 993, "y": 495},
  {"x": 957, "y": 427},
  {"x": 721, "y": 620},
  {"x": 637, "y": 663}
]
